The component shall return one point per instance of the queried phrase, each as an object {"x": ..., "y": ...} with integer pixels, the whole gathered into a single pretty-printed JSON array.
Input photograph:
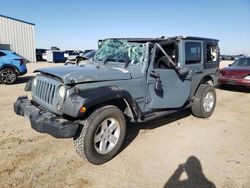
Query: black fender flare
[{"x": 93, "y": 97}]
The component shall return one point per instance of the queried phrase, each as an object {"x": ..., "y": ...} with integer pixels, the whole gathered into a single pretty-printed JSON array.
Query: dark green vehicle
[{"x": 129, "y": 80}]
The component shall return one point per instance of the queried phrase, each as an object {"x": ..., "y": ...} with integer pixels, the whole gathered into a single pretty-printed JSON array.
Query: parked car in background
[
  {"x": 238, "y": 73},
  {"x": 75, "y": 59},
  {"x": 239, "y": 56},
  {"x": 44, "y": 55},
  {"x": 54, "y": 48},
  {"x": 86, "y": 51},
  {"x": 90, "y": 54},
  {"x": 72, "y": 53},
  {"x": 55, "y": 56},
  {"x": 46, "y": 52},
  {"x": 227, "y": 57},
  {"x": 12, "y": 65},
  {"x": 39, "y": 54},
  {"x": 67, "y": 53}
]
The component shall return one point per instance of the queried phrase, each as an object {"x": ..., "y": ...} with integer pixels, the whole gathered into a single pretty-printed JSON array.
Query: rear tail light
[{"x": 21, "y": 61}]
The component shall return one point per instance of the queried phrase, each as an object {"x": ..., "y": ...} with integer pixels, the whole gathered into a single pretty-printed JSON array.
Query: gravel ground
[{"x": 169, "y": 152}]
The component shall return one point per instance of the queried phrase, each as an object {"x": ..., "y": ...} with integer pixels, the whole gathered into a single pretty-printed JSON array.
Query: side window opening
[
  {"x": 212, "y": 53},
  {"x": 161, "y": 61},
  {"x": 192, "y": 53}
]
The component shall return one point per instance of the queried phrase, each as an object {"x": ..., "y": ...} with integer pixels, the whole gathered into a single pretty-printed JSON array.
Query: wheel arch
[
  {"x": 93, "y": 98},
  {"x": 10, "y": 66},
  {"x": 121, "y": 103},
  {"x": 206, "y": 79}
]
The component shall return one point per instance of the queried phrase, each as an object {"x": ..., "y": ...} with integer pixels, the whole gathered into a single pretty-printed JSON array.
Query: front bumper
[
  {"x": 44, "y": 121},
  {"x": 22, "y": 70},
  {"x": 233, "y": 81}
]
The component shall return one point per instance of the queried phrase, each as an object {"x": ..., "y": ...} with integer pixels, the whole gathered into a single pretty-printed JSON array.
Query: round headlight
[
  {"x": 62, "y": 91},
  {"x": 35, "y": 82}
]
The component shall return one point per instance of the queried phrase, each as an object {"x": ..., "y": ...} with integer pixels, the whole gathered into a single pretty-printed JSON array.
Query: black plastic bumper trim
[{"x": 43, "y": 121}]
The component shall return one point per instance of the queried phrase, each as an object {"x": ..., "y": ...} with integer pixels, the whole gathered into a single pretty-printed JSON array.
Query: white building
[{"x": 18, "y": 36}]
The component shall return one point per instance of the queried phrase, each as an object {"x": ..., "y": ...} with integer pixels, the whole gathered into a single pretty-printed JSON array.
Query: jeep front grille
[{"x": 45, "y": 91}]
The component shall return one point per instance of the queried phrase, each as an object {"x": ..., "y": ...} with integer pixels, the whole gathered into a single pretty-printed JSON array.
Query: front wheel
[
  {"x": 8, "y": 76},
  {"x": 102, "y": 135},
  {"x": 204, "y": 101}
]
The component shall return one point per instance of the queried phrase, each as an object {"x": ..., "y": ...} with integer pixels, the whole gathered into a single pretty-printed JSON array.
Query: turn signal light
[{"x": 83, "y": 109}]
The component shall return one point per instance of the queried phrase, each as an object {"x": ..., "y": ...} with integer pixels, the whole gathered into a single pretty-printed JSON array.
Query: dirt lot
[{"x": 215, "y": 150}]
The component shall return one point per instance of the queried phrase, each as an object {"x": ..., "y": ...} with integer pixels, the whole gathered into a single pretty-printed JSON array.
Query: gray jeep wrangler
[{"x": 129, "y": 80}]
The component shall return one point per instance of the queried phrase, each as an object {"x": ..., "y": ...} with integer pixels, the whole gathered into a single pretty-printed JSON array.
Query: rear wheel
[
  {"x": 204, "y": 101},
  {"x": 102, "y": 135},
  {"x": 8, "y": 76}
]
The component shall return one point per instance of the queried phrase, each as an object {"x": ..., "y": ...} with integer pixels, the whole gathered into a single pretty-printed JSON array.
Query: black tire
[
  {"x": 85, "y": 144},
  {"x": 8, "y": 76},
  {"x": 202, "y": 95}
]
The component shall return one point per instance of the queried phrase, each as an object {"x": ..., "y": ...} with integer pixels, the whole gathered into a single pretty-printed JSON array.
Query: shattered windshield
[{"x": 120, "y": 51}]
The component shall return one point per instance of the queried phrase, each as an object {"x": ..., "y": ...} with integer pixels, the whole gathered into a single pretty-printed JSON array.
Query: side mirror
[
  {"x": 184, "y": 71},
  {"x": 230, "y": 65},
  {"x": 155, "y": 75}
]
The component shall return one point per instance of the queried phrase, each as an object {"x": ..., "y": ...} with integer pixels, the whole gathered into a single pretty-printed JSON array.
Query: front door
[{"x": 167, "y": 88}]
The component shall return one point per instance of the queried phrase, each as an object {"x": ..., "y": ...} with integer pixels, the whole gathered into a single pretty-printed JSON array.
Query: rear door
[{"x": 193, "y": 59}]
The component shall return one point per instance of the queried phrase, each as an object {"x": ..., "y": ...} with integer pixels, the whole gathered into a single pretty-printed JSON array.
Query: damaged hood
[{"x": 71, "y": 74}]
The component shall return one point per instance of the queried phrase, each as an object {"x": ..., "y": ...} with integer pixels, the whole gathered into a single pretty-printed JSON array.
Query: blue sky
[{"x": 78, "y": 24}]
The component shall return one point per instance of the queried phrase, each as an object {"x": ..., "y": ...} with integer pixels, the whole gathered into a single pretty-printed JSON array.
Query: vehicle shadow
[
  {"x": 23, "y": 79},
  {"x": 133, "y": 129},
  {"x": 234, "y": 88},
  {"x": 195, "y": 177}
]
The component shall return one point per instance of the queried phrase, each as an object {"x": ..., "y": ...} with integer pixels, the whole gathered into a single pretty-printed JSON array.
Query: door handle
[{"x": 154, "y": 74}]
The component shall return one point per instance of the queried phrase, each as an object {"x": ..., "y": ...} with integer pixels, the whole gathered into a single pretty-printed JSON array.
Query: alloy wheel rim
[
  {"x": 107, "y": 135},
  {"x": 208, "y": 102},
  {"x": 8, "y": 76}
]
